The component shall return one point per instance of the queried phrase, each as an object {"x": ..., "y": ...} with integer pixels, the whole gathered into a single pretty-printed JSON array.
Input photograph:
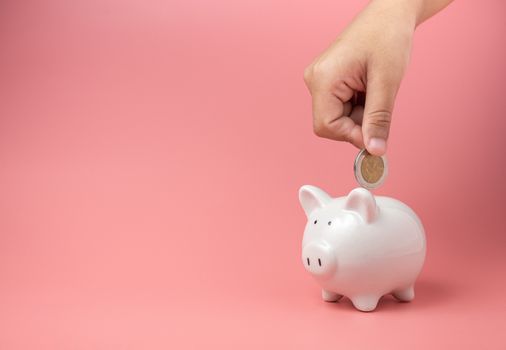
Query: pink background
[{"x": 150, "y": 158}]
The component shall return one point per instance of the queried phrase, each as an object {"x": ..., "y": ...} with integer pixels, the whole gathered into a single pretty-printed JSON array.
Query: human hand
[{"x": 369, "y": 57}]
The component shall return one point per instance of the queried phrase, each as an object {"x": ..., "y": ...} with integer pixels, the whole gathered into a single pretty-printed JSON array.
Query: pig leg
[
  {"x": 330, "y": 296},
  {"x": 365, "y": 302},
  {"x": 405, "y": 294}
]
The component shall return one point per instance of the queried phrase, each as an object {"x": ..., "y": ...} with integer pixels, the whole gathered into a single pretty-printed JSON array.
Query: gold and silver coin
[{"x": 370, "y": 171}]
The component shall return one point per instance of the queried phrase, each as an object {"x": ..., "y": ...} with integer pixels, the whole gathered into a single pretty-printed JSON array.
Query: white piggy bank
[{"x": 361, "y": 247}]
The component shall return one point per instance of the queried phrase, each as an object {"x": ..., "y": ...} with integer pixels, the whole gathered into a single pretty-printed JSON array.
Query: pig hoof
[
  {"x": 330, "y": 296},
  {"x": 365, "y": 303},
  {"x": 406, "y": 294}
]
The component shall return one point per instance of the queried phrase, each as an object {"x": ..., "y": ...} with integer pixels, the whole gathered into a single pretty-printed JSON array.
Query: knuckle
[
  {"x": 326, "y": 130},
  {"x": 319, "y": 70},
  {"x": 380, "y": 118},
  {"x": 320, "y": 129}
]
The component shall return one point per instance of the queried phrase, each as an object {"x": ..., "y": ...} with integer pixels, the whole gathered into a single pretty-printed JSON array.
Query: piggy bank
[{"x": 361, "y": 246}]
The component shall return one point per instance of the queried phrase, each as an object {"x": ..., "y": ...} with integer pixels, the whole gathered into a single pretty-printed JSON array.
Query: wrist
[{"x": 405, "y": 12}]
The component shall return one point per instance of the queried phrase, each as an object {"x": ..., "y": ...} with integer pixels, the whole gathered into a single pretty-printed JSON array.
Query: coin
[{"x": 370, "y": 171}]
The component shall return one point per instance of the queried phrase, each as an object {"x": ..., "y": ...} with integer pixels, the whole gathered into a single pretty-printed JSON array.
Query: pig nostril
[
  {"x": 319, "y": 262},
  {"x": 308, "y": 262}
]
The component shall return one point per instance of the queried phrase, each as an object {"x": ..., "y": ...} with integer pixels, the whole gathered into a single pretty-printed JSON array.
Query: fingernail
[{"x": 377, "y": 146}]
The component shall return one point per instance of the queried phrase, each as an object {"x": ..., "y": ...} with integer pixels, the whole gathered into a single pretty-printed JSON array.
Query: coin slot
[
  {"x": 308, "y": 262},
  {"x": 319, "y": 262}
]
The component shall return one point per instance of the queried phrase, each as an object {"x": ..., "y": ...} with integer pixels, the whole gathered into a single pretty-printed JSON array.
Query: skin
[{"x": 354, "y": 82}]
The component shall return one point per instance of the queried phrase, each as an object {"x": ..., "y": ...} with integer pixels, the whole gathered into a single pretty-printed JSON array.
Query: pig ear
[
  {"x": 312, "y": 197},
  {"x": 362, "y": 202}
]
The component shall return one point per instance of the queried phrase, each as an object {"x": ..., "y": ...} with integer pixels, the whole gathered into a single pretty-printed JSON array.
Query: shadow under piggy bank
[{"x": 429, "y": 293}]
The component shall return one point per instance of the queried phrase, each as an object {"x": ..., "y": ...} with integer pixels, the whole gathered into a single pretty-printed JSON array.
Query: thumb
[{"x": 379, "y": 104}]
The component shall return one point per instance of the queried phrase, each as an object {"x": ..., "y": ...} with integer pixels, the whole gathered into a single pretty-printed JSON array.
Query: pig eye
[
  {"x": 315, "y": 222},
  {"x": 330, "y": 223}
]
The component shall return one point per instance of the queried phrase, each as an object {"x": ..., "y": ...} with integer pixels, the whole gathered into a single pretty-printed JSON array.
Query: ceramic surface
[{"x": 361, "y": 246}]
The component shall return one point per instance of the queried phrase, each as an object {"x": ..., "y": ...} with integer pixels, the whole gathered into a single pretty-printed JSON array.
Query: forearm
[
  {"x": 413, "y": 11},
  {"x": 429, "y": 8}
]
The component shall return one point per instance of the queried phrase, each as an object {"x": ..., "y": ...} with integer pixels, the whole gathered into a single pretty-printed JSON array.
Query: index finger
[{"x": 330, "y": 122}]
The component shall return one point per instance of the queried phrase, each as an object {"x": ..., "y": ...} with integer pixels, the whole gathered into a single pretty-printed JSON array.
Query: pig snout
[{"x": 319, "y": 259}]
